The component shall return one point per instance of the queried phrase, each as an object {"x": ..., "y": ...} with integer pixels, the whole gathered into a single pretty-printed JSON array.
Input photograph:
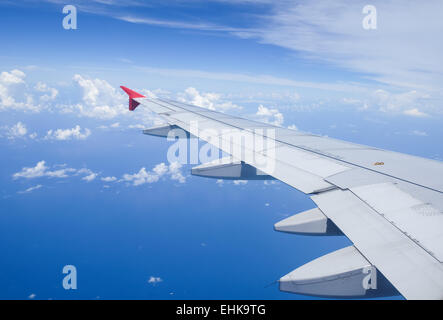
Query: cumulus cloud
[
  {"x": 159, "y": 171},
  {"x": 94, "y": 98},
  {"x": 32, "y": 172},
  {"x": 109, "y": 179},
  {"x": 19, "y": 130},
  {"x": 13, "y": 77},
  {"x": 68, "y": 134},
  {"x": 270, "y": 115},
  {"x": 154, "y": 280},
  {"x": 175, "y": 172},
  {"x": 16, "y": 94},
  {"x": 57, "y": 171},
  {"x": 10, "y": 82},
  {"x": 90, "y": 177},
  {"x": 407, "y": 102},
  {"x": 49, "y": 94},
  {"x": 141, "y": 177},
  {"x": 98, "y": 99},
  {"x": 208, "y": 100}
]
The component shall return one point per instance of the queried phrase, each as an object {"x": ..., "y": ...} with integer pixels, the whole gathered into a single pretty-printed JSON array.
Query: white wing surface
[{"x": 390, "y": 205}]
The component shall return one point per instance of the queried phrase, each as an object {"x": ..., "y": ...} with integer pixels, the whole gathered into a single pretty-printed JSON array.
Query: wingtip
[{"x": 132, "y": 94}]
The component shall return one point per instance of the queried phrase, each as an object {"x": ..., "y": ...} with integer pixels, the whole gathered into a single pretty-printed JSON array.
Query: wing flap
[
  {"x": 415, "y": 273},
  {"x": 418, "y": 220}
]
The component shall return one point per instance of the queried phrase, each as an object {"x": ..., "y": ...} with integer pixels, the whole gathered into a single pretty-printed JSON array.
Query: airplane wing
[{"x": 390, "y": 205}]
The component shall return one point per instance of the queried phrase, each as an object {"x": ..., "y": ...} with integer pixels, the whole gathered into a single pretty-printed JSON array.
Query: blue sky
[{"x": 71, "y": 150}]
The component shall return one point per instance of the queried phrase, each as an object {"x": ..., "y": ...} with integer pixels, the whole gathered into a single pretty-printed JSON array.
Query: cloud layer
[
  {"x": 41, "y": 170},
  {"x": 161, "y": 170},
  {"x": 75, "y": 133}
]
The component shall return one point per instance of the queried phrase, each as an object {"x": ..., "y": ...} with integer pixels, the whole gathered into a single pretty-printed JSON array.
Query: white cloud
[
  {"x": 415, "y": 113},
  {"x": 136, "y": 126},
  {"x": 264, "y": 79},
  {"x": 31, "y": 189},
  {"x": 159, "y": 171},
  {"x": 32, "y": 296},
  {"x": 172, "y": 24},
  {"x": 90, "y": 177},
  {"x": 13, "y": 77},
  {"x": 208, "y": 100},
  {"x": 60, "y": 173},
  {"x": 68, "y": 134},
  {"x": 141, "y": 177},
  {"x": 49, "y": 93},
  {"x": 16, "y": 94},
  {"x": 270, "y": 115},
  {"x": 154, "y": 280},
  {"x": 419, "y": 133},
  {"x": 17, "y": 131},
  {"x": 98, "y": 99},
  {"x": 41, "y": 170},
  {"x": 32, "y": 172},
  {"x": 332, "y": 33},
  {"x": 109, "y": 179},
  {"x": 402, "y": 51},
  {"x": 406, "y": 102},
  {"x": 240, "y": 182},
  {"x": 175, "y": 172}
]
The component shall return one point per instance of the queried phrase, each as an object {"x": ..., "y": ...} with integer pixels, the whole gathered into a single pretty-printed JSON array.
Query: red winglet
[{"x": 132, "y": 94}]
